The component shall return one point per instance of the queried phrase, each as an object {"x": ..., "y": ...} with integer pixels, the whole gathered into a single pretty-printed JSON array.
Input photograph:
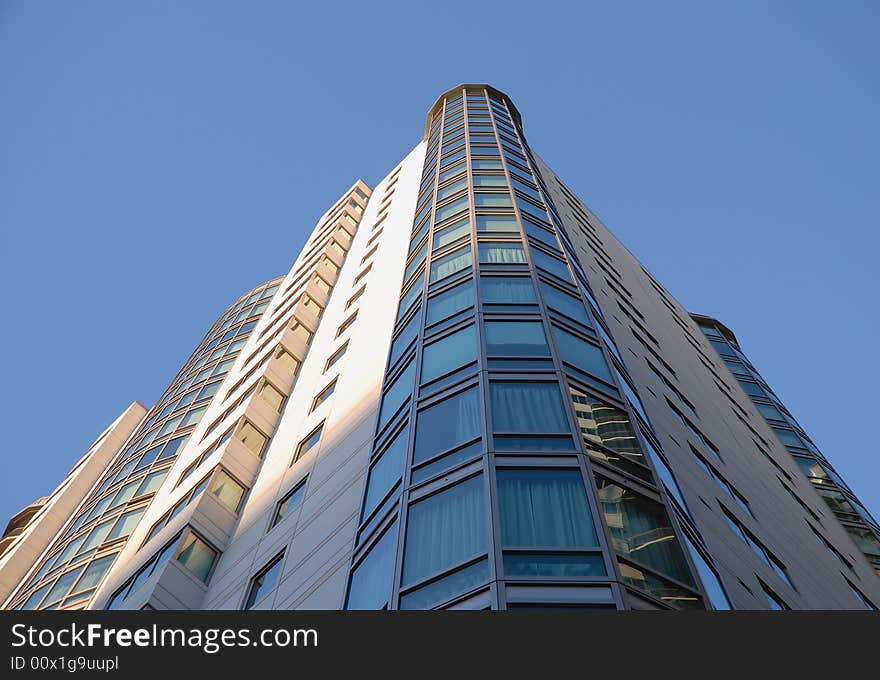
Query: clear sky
[{"x": 157, "y": 159}]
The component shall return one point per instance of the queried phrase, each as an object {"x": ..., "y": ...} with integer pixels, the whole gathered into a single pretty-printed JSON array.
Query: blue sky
[{"x": 157, "y": 159}]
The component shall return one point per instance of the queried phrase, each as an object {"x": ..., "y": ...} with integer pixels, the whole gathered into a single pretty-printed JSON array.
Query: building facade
[{"x": 465, "y": 394}]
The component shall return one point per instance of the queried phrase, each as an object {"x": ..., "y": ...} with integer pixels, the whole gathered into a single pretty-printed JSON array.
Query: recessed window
[
  {"x": 336, "y": 356},
  {"x": 354, "y": 298},
  {"x": 226, "y": 490},
  {"x": 346, "y": 324},
  {"x": 252, "y": 438},
  {"x": 197, "y": 556},
  {"x": 309, "y": 442},
  {"x": 290, "y": 502},
  {"x": 324, "y": 395},
  {"x": 271, "y": 395},
  {"x": 287, "y": 359},
  {"x": 263, "y": 582}
]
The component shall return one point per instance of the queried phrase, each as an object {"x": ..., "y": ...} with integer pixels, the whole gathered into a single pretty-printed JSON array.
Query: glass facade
[{"x": 502, "y": 403}]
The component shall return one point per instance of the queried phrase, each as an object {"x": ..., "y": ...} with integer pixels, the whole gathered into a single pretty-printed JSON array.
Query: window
[
  {"x": 450, "y": 302},
  {"x": 609, "y": 426},
  {"x": 543, "y": 510},
  {"x": 447, "y": 424},
  {"x": 641, "y": 531},
  {"x": 354, "y": 298},
  {"x": 346, "y": 324},
  {"x": 445, "y": 530},
  {"x": 453, "y": 232},
  {"x": 564, "y": 303},
  {"x": 226, "y": 490},
  {"x": 263, "y": 582},
  {"x": 507, "y": 290},
  {"x": 252, "y": 438},
  {"x": 404, "y": 339},
  {"x": 583, "y": 355},
  {"x": 336, "y": 356},
  {"x": 385, "y": 472},
  {"x": 445, "y": 211},
  {"x": 272, "y": 396},
  {"x": 528, "y": 408},
  {"x": 287, "y": 359},
  {"x": 502, "y": 253},
  {"x": 486, "y": 200},
  {"x": 550, "y": 264},
  {"x": 371, "y": 580},
  {"x": 126, "y": 524},
  {"x": 516, "y": 339},
  {"x": 410, "y": 297},
  {"x": 309, "y": 442},
  {"x": 324, "y": 394},
  {"x": 449, "y": 264},
  {"x": 290, "y": 502},
  {"x": 396, "y": 394},
  {"x": 197, "y": 556},
  {"x": 449, "y": 353},
  {"x": 497, "y": 224}
]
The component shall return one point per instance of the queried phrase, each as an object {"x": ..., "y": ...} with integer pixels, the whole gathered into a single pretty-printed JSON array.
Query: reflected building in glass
[{"x": 465, "y": 394}]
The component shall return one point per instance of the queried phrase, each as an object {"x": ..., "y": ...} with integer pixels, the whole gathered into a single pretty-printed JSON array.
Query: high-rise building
[{"x": 465, "y": 394}]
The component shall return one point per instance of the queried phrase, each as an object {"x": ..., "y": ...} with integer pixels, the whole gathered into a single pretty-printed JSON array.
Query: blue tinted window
[
  {"x": 451, "y": 263},
  {"x": 385, "y": 472},
  {"x": 450, "y": 302},
  {"x": 449, "y": 353},
  {"x": 564, "y": 303},
  {"x": 527, "y": 407},
  {"x": 502, "y": 253},
  {"x": 507, "y": 290},
  {"x": 516, "y": 339},
  {"x": 398, "y": 393},
  {"x": 445, "y": 530},
  {"x": 372, "y": 578},
  {"x": 582, "y": 354},
  {"x": 447, "y": 424}
]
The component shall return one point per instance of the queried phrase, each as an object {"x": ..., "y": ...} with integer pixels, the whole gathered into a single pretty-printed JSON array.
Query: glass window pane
[
  {"x": 449, "y": 353},
  {"x": 497, "y": 223},
  {"x": 544, "y": 509},
  {"x": 444, "y": 530},
  {"x": 226, "y": 490},
  {"x": 527, "y": 407},
  {"x": 564, "y": 303},
  {"x": 451, "y": 422},
  {"x": 126, "y": 524},
  {"x": 450, "y": 302},
  {"x": 403, "y": 340},
  {"x": 451, "y": 233},
  {"x": 502, "y": 253},
  {"x": 290, "y": 502},
  {"x": 507, "y": 290},
  {"x": 197, "y": 556},
  {"x": 95, "y": 572},
  {"x": 385, "y": 472},
  {"x": 641, "y": 530},
  {"x": 371, "y": 580},
  {"x": 607, "y": 425},
  {"x": 451, "y": 263},
  {"x": 582, "y": 354},
  {"x": 516, "y": 339},
  {"x": 550, "y": 264},
  {"x": 264, "y": 582},
  {"x": 397, "y": 393}
]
